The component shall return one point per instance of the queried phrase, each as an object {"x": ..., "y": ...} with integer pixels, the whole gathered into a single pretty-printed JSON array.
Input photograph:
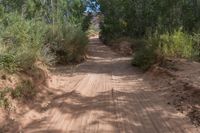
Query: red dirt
[{"x": 181, "y": 86}]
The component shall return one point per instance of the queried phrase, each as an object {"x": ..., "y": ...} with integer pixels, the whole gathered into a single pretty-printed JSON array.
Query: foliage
[
  {"x": 139, "y": 17},
  {"x": 68, "y": 42},
  {"x": 20, "y": 43},
  {"x": 86, "y": 22},
  {"x": 7, "y": 62},
  {"x": 4, "y": 102},
  {"x": 160, "y": 47},
  {"x": 170, "y": 28},
  {"x": 94, "y": 26},
  {"x": 196, "y": 49},
  {"x": 26, "y": 26},
  {"x": 145, "y": 56},
  {"x": 24, "y": 91},
  {"x": 178, "y": 44},
  {"x": 46, "y": 56}
]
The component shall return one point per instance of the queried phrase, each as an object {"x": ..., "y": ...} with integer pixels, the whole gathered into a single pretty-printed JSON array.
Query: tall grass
[
  {"x": 178, "y": 44},
  {"x": 157, "y": 48}
]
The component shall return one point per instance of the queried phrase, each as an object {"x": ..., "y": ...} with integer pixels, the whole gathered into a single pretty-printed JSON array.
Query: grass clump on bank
[
  {"x": 4, "y": 102},
  {"x": 158, "y": 48},
  {"x": 145, "y": 56},
  {"x": 23, "y": 91},
  {"x": 196, "y": 51}
]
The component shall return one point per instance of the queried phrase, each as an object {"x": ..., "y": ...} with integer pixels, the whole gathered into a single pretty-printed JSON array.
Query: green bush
[
  {"x": 196, "y": 50},
  {"x": 24, "y": 91},
  {"x": 68, "y": 41},
  {"x": 86, "y": 22},
  {"x": 179, "y": 44},
  {"x": 145, "y": 56},
  {"x": 160, "y": 47},
  {"x": 7, "y": 62},
  {"x": 4, "y": 102},
  {"x": 136, "y": 18},
  {"x": 21, "y": 43},
  {"x": 47, "y": 56}
]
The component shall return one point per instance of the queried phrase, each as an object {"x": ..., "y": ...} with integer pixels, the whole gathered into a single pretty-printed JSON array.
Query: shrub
[
  {"x": 178, "y": 44},
  {"x": 145, "y": 56},
  {"x": 160, "y": 47},
  {"x": 68, "y": 41},
  {"x": 196, "y": 50},
  {"x": 21, "y": 43},
  {"x": 24, "y": 91},
  {"x": 7, "y": 62},
  {"x": 86, "y": 22},
  {"x": 47, "y": 56},
  {"x": 4, "y": 102}
]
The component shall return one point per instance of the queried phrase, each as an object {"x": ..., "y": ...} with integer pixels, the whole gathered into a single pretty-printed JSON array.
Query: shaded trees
[
  {"x": 168, "y": 28},
  {"x": 136, "y": 18}
]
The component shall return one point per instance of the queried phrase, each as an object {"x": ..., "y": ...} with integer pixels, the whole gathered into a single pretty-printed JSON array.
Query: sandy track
[{"x": 106, "y": 95}]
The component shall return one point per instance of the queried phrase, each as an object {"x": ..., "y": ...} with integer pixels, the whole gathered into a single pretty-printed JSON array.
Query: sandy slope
[{"x": 103, "y": 95}]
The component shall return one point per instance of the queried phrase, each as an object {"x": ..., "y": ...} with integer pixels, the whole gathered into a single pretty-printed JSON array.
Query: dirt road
[{"x": 104, "y": 95}]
